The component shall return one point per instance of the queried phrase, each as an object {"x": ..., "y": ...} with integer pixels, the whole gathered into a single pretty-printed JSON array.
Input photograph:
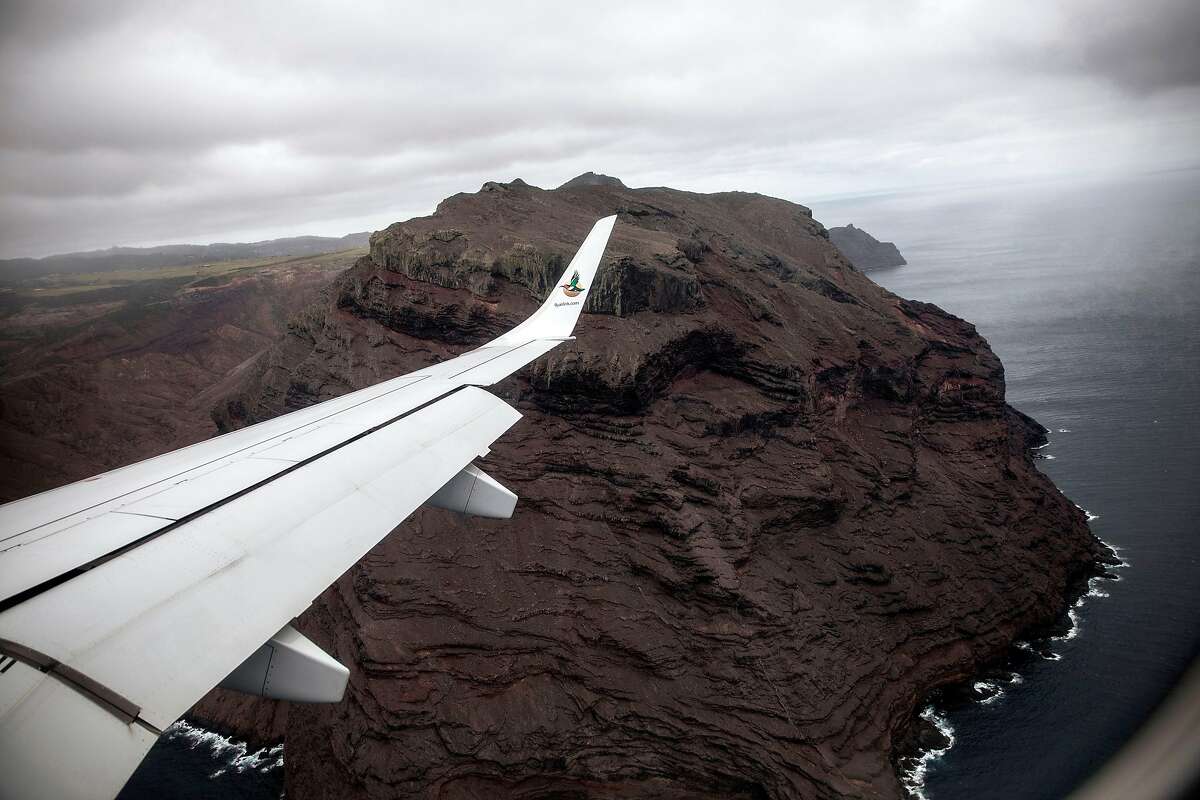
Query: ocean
[
  {"x": 191, "y": 763},
  {"x": 1090, "y": 294}
]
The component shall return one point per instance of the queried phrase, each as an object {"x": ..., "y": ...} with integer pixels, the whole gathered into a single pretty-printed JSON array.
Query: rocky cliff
[
  {"x": 766, "y": 507},
  {"x": 864, "y": 250}
]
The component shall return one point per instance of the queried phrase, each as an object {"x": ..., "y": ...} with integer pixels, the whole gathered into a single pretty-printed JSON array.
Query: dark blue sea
[
  {"x": 1090, "y": 294},
  {"x": 191, "y": 763}
]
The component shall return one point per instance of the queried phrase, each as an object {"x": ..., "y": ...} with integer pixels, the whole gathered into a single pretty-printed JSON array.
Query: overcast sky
[{"x": 156, "y": 122}]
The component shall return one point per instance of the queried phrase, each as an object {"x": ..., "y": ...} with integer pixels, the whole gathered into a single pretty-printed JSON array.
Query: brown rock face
[
  {"x": 96, "y": 377},
  {"x": 766, "y": 506}
]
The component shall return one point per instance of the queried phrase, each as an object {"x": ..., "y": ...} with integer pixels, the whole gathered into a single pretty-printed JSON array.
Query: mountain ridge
[
  {"x": 766, "y": 508},
  {"x": 117, "y": 257}
]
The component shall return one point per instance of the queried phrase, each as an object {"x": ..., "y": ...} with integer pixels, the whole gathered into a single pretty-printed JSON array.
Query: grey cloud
[
  {"x": 1141, "y": 47},
  {"x": 1145, "y": 46},
  {"x": 135, "y": 123},
  {"x": 40, "y": 23}
]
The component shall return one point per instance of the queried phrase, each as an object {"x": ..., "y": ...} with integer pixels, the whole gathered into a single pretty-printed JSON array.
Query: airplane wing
[{"x": 124, "y": 598}]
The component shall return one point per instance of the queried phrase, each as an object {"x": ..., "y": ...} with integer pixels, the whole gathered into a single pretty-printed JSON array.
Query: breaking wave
[
  {"x": 991, "y": 689},
  {"x": 230, "y": 754},
  {"x": 913, "y": 779}
]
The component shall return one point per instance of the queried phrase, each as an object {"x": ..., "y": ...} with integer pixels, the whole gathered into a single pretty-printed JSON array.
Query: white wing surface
[{"x": 124, "y": 598}]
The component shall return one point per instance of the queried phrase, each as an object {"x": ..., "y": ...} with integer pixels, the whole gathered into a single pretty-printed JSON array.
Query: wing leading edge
[{"x": 124, "y": 598}]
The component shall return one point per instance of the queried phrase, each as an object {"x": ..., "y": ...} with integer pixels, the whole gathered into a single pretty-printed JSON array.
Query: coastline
[
  {"x": 1124, "y": 443},
  {"x": 931, "y": 734}
]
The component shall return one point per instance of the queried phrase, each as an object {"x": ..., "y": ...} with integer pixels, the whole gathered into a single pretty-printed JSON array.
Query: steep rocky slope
[
  {"x": 864, "y": 250},
  {"x": 94, "y": 376},
  {"x": 766, "y": 507}
]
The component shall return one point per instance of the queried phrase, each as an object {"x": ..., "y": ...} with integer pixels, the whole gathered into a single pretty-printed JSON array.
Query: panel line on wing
[
  {"x": 503, "y": 352},
  {"x": 223, "y": 456},
  {"x": 142, "y": 514},
  {"x": 33, "y": 591}
]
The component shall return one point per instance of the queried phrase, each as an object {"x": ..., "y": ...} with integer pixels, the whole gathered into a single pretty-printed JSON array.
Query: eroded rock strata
[{"x": 766, "y": 507}]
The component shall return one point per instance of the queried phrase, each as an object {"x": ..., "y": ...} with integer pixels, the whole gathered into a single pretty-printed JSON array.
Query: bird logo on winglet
[{"x": 572, "y": 289}]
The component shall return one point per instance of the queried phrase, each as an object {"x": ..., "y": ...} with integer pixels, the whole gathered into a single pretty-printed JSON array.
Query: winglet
[{"x": 557, "y": 316}]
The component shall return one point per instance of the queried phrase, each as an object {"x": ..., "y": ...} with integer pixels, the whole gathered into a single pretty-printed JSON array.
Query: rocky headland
[
  {"x": 766, "y": 508},
  {"x": 864, "y": 250}
]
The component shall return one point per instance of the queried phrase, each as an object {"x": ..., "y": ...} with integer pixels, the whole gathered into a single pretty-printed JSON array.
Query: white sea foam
[
  {"x": 1090, "y": 516},
  {"x": 1049, "y": 457},
  {"x": 231, "y": 754},
  {"x": 1122, "y": 563},
  {"x": 992, "y": 690},
  {"x": 1038, "y": 649},
  {"x": 914, "y": 778},
  {"x": 1073, "y": 631},
  {"x": 1095, "y": 589}
]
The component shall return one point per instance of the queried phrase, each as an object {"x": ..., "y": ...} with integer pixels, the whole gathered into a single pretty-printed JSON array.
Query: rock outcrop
[
  {"x": 766, "y": 507},
  {"x": 865, "y": 251},
  {"x": 592, "y": 179}
]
